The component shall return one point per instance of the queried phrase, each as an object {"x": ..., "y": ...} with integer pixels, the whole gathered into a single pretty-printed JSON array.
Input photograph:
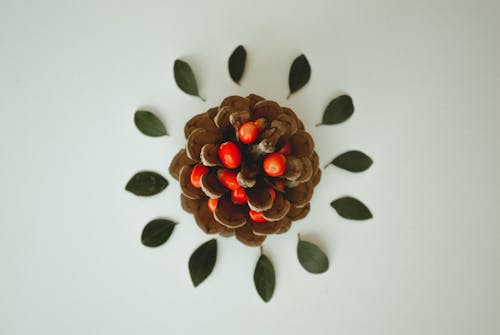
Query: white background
[{"x": 425, "y": 79}]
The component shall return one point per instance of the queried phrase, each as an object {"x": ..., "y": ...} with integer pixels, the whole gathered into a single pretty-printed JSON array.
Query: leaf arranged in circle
[
  {"x": 351, "y": 208},
  {"x": 338, "y": 110},
  {"x": 146, "y": 183},
  {"x": 185, "y": 79},
  {"x": 300, "y": 72},
  {"x": 236, "y": 63},
  {"x": 264, "y": 278},
  {"x": 311, "y": 257},
  {"x": 149, "y": 124},
  {"x": 157, "y": 232},
  {"x": 354, "y": 161},
  {"x": 202, "y": 261}
]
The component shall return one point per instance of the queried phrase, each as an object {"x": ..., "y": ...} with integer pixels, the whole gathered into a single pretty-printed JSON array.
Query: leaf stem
[
  {"x": 288, "y": 96},
  {"x": 318, "y": 124},
  {"x": 298, "y": 235},
  {"x": 261, "y": 250},
  {"x": 202, "y": 98}
]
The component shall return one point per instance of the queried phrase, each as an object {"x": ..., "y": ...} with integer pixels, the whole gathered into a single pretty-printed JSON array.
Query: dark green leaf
[
  {"x": 237, "y": 63},
  {"x": 338, "y": 110},
  {"x": 300, "y": 72},
  {"x": 202, "y": 261},
  {"x": 264, "y": 278},
  {"x": 311, "y": 257},
  {"x": 157, "y": 232},
  {"x": 149, "y": 124},
  {"x": 351, "y": 208},
  {"x": 184, "y": 77},
  {"x": 354, "y": 161},
  {"x": 146, "y": 183}
]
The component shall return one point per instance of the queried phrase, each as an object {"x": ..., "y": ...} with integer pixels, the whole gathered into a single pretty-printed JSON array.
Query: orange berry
[
  {"x": 256, "y": 216},
  {"x": 230, "y": 155},
  {"x": 239, "y": 196},
  {"x": 275, "y": 164},
  {"x": 228, "y": 179},
  {"x": 248, "y": 132},
  {"x": 212, "y": 204},
  {"x": 198, "y": 171}
]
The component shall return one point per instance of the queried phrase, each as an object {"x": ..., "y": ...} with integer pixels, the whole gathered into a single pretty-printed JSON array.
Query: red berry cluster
[{"x": 230, "y": 155}]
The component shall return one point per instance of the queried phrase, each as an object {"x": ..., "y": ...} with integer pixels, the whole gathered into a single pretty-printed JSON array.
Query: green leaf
[
  {"x": 264, "y": 278},
  {"x": 354, "y": 161},
  {"x": 146, "y": 183},
  {"x": 300, "y": 72},
  {"x": 202, "y": 261},
  {"x": 237, "y": 63},
  {"x": 157, "y": 232},
  {"x": 351, "y": 208},
  {"x": 149, "y": 124},
  {"x": 338, "y": 110},
  {"x": 184, "y": 77},
  {"x": 311, "y": 257}
]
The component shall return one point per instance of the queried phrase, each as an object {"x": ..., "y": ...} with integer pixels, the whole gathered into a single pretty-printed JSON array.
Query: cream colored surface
[{"x": 425, "y": 78}]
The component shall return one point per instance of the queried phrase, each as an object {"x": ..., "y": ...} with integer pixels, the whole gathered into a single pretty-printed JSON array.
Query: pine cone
[{"x": 249, "y": 169}]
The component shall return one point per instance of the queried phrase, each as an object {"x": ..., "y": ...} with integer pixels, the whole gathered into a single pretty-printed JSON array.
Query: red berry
[
  {"x": 230, "y": 155},
  {"x": 287, "y": 149},
  {"x": 228, "y": 179},
  {"x": 256, "y": 216},
  {"x": 272, "y": 192},
  {"x": 239, "y": 196},
  {"x": 248, "y": 132},
  {"x": 275, "y": 164},
  {"x": 212, "y": 204},
  {"x": 198, "y": 171}
]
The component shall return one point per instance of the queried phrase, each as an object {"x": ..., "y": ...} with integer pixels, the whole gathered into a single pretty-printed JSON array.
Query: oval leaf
[
  {"x": 146, "y": 183},
  {"x": 354, "y": 161},
  {"x": 184, "y": 77},
  {"x": 351, "y": 208},
  {"x": 149, "y": 124},
  {"x": 157, "y": 232},
  {"x": 202, "y": 261},
  {"x": 264, "y": 278},
  {"x": 338, "y": 110},
  {"x": 237, "y": 63},
  {"x": 300, "y": 72},
  {"x": 311, "y": 257}
]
